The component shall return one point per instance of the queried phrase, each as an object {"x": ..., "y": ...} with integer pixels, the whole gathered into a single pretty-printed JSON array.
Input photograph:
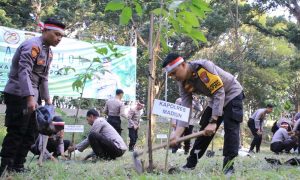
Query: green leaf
[
  {"x": 175, "y": 25},
  {"x": 186, "y": 26},
  {"x": 67, "y": 69},
  {"x": 160, "y": 11},
  {"x": 102, "y": 51},
  {"x": 114, "y": 5},
  {"x": 118, "y": 55},
  {"x": 97, "y": 60},
  {"x": 190, "y": 18},
  {"x": 138, "y": 9},
  {"x": 77, "y": 84},
  {"x": 89, "y": 76},
  {"x": 125, "y": 16},
  {"x": 201, "y": 4},
  {"x": 197, "y": 11},
  {"x": 164, "y": 44},
  {"x": 112, "y": 47},
  {"x": 197, "y": 34}
]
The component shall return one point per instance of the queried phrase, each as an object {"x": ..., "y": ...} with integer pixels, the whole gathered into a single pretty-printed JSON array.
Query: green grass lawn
[{"x": 254, "y": 167}]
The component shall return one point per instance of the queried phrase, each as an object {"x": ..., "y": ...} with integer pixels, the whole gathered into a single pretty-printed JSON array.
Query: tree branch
[
  {"x": 265, "y": 30},
  {"x": 138, "y": 34}
]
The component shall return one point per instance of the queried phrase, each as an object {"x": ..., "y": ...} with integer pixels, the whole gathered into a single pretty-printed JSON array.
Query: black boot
[
  {"x": 131, "y": 148},
  {"x": 6, "y": 165},
  {"x": 19, "y": 168},
  {"x": 228, "y": 165}
]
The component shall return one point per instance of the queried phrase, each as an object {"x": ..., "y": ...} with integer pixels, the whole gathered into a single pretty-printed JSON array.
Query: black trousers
[
  {"x": 187, "y": 143},
  {"x": 103, "y": 147},
  {"x": 256, "y": 142},
  {"x": 133, "y": 136},
  {"x": 298, "y": 137},
  {"x": 115, "y": 121},
  {"x": 53, "y": 145},
  {"x": 232, "y": 117},
  {"x": 286, "y": 145},
  {"x": 21, "y": 130}
]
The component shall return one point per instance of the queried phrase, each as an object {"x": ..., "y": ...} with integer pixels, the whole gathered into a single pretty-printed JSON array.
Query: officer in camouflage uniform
[
  {"x": 28, "y": 78},
  {"x": 225, "y": 105}
]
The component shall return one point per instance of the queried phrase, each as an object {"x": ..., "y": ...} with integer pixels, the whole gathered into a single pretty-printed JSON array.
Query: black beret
[
  {"x": 119, "y": 91},
  {"x": 54, "y": 22},
  {"x": 170, "y": 57}
]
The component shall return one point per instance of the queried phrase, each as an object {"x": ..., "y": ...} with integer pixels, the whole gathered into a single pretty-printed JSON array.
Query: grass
[
  {"x": 254, "y": 167},
  {"x": 208, "y": 168}
]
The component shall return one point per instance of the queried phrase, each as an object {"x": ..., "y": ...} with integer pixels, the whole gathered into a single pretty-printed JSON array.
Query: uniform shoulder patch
[
  {"x": 35, "y": 50},
  {"x": 212, "y": 82}
]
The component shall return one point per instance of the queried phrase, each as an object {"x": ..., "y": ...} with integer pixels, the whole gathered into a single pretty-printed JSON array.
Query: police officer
[
  {"x": 255, "y": 124},
  {"x": 103, "y": 138},
  {"x": 114, "y": 108},
  {"x": 282, "y": 139},
  {"x": 225, "y": 105},
  {"x": 134, "y": 116},
  {"x": 28, "y": 78}
]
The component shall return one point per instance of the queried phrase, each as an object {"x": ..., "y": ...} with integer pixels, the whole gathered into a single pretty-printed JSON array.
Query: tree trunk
[
  {"x": 151, "y": 80},
  {"x": 295, "y": 9},
  {"x": 37, "y": 7}
]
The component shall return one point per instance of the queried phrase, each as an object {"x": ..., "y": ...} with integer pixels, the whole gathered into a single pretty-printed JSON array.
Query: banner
[{"x": 119, "y": 73}]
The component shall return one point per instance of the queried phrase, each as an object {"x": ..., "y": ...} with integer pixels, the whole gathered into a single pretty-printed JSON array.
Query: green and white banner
[{"x": 120, "y": 72}]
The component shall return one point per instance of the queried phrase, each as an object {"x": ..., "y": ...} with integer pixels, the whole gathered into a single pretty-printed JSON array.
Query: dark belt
[
  {"x": 250, "y": 119},
  {"x": 114, "y": 118}
]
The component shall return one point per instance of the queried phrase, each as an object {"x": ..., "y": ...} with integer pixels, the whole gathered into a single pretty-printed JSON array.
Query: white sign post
[
  {"x": 161, "y": 136},
  {"x": 74, "y": 128},
  {"x": 171, "y": 110}
]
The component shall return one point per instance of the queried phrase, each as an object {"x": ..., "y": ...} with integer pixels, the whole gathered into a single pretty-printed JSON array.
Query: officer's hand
[
  {"x": 259, "y": 132},
  {"x": 63, "y": 157},
  {"x": 173, "y": 125},
  {"x": 71, "y": 148},
  {"x": 48, "y": 101},
  {"x": 210, "y": 129},
  {"x": 173, "y": 139},
  {"x": 31, "y": 104},
  {"x": 53, "y": 159}
]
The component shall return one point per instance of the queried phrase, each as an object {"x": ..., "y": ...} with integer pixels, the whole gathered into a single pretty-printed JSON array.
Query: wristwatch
[{"x": 212, "y": 121}]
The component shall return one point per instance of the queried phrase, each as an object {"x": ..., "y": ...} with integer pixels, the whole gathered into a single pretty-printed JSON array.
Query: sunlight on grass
[{"x": 254, "y": 167}]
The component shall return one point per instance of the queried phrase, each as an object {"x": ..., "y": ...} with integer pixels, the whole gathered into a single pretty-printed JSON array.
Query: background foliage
[{"x": 266, "y": 61}]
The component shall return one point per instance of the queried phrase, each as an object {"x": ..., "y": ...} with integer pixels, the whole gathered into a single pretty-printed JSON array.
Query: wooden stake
[{"x": 168, "y": 146}]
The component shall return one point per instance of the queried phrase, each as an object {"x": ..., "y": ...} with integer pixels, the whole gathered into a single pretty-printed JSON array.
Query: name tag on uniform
[{"x": 212, "y": 82}]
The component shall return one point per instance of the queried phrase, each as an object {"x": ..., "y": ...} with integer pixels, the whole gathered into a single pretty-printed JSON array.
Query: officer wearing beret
[
  {"x": 225, "y": 105},
  {"x": 28, "y": 79}
]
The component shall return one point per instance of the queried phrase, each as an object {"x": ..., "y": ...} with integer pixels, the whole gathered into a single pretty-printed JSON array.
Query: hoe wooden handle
[{"x": 181, "y": 139}]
